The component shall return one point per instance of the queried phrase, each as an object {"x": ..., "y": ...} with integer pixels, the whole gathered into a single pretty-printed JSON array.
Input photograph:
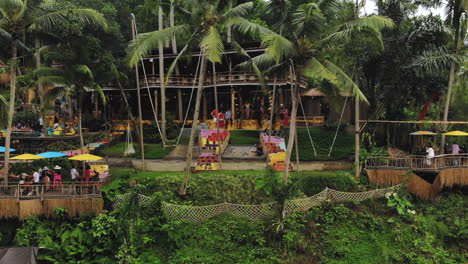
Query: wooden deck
[
  {"x": 418, "y": 162},
  {"x": 21, "y": 201},
  {"x": 222, "y": 79}
]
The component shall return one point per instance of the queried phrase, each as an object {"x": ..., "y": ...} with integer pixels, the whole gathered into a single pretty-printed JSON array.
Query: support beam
[
  {"x": 205, "y": 107},
  {"x": 180, "y": 106},
  {"x": 233, "y": 105}
]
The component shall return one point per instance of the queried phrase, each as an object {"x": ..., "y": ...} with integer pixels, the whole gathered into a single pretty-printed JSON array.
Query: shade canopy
[
  {"x": 455, "y": 133},
  {"x": 27, "y": 157},
  {"x": 86, "y": 157},
  {"x": 52, "y": 154},
  {"x": 423, "y": 133},
  {"x": 3, "y": 149}
]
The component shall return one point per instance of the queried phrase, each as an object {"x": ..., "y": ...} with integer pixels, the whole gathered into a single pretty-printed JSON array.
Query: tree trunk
[
  {"x": 217, "y": 111},
  {"x": 272, "y": 111},
  {"x": 292, "y": 129},
  {"x": 185, "y": 183},
  {"x": 40, "y": 89},
  {"x": 172, "y": 23},
  {"x": 161, "y": 79},
  {"x": 357, "y": 142},
  {"x": 80, "y": 116},
  {"x": 129, "y": 109},
  {"x": 140, "y": 114},
  {"x": 11, "y": 108},
  {"x": 456, "y": 25},
  {"x": 447, "y": 105}
]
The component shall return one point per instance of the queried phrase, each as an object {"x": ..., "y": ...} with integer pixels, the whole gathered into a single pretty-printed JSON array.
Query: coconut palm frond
[
  {"x": 308, "y": 17},
  {"x": 84, "y": 17},
  {"x": 46, "y": 71},
  {"x": 212, "y": 45},
  {"x": 52, "y": 80},
  {"x": 98, "y": 89},
  {"x": 8, "y": 7},
  {"x": 434, "y": 61},
  {"x": 182, "y": 53},
  {"x": 147, "y": 42},
  {"x": 20, "y": 13},
  {"x": 239, "y": 11},
  {"x": 244, "y": 26},
  {"x": 253, "y": 65},
  {"x": 55, "y": 92},
  {"x": 277, "y": 47},
  {"x": 344, "y": 83},
  {"x": 84, "y": 70},
  {"x": 373, "y": 24}
]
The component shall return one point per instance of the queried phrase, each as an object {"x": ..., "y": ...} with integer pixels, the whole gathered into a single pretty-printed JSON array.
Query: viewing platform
[
  {"x": 450, "y": 171},
  {"x": 222, "y": 79},
  {"x": 23, "y": 200},
  {"x": 421, "y": 163}
]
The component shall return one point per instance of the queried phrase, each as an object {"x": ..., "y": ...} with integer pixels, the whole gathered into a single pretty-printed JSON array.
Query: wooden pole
[
  {"x": 180, "y": 106},
  {"x": 140, "y": 121},
  {"x": 357, "y": 130},
  {"x": 156, "y": 104},
  {"x": 205, "y": 108},
  {"x": 233, "y": 107}
]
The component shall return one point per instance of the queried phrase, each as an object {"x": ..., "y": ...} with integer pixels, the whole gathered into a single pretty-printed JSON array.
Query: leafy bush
[
  {"x": 25, "y": 118},
  {"x": 315, "y": 182}
]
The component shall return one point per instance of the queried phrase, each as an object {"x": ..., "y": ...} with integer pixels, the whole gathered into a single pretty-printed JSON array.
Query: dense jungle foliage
[{"x": 396, "y": 229}]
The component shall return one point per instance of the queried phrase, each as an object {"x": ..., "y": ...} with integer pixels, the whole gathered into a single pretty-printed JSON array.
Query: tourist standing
[
  {"x": 74, "y": 174},
  {"x": 455, "y": 151},
  {"x": 228, "y": 118},
  {"x": 429, "y": 155}
]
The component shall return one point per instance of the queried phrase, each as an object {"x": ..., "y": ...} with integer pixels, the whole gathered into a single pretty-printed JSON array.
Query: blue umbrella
[
  {"x": 49, "y": 155},
  {"x": 3, "y": 149}
]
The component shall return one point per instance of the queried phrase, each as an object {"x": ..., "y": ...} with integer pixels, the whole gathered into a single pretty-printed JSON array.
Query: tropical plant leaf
[
  {"x": 434, "y": 61},
  {"x": 308, "y": 17},
  {"x": 244, "y": 26},
  {"x": 239, "y": 10},
  {"x": 147, "y": 42},
  {"x": 84, "y": 17},
  {"x": 212, "y": 45},
  {"x": 277, "y": 47}
]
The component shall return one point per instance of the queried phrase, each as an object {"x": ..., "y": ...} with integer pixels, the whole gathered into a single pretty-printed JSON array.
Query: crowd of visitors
[
  {"x": 252, "y": 111},
  {"x": 52, "y": 178}
]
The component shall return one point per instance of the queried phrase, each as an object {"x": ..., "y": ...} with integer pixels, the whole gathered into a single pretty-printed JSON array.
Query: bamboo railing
[
  {"x": 41, "y": 191},
  {"x": 222, "y": 79},
  {"x": 419, "y": 162}
]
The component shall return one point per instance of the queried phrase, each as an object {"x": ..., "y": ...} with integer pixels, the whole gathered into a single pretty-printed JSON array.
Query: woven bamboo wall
[
  {"x": 418, "y": 186},
  {"x": 11, "y": 208}
]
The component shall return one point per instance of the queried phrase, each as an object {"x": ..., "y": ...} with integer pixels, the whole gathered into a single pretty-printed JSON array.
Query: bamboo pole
[
  {"x": 415, "y": 122},
  {"x": 142, "y": 146}
]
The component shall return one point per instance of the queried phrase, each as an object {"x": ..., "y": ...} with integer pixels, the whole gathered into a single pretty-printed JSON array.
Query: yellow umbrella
[
  {"x": 455, "y": 133},
  {"x": 27, "y": 157},
  {"x": 423, "y": 133},
  {"x": 85, "y": 157}
]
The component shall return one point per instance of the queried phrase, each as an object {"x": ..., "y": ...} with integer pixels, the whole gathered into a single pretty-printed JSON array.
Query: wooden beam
[{"x": 415, "y": 122}]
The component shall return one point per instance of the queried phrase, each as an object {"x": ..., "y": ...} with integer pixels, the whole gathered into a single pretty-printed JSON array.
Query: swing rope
[
  {"x": 191, "y": 97},
  {"x": 338, "y": 127},
  {"x": 129, "y": 150},
  {"x": 151, "y": 99},
  {"x": 307, "y": 126},
  {"x": 147, "y": 87}
]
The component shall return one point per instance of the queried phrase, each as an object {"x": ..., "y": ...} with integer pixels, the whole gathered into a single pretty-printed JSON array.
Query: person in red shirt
[
  {"x": 222, "y": 121},
  {"x": 214, "y": 114}
]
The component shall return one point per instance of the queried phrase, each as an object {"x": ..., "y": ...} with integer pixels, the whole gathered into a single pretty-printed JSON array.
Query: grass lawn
[
  {"x": 245, "y": 137},
  {"x": 152, "y": 151},
  {"x": 344, "y": 145}
]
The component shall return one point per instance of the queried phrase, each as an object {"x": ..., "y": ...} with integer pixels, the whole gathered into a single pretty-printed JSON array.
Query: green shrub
[{"x": 315, "y": 182}]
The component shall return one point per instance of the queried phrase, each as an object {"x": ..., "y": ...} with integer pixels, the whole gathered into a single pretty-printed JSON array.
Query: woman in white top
[{"x": 430, "y": 155}]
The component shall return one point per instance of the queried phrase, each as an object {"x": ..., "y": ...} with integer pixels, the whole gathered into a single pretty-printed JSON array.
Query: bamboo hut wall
[
  {"x": 11, "y": 208},
  {"x": 418, "y": 186}
]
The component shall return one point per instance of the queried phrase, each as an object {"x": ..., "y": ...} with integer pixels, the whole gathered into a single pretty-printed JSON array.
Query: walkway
[{"x": 179, "y": 165}]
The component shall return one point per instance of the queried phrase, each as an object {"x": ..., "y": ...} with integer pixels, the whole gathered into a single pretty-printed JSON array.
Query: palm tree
[
  {"x": 456, "y": 11},
  {"x": 202, "y": 31},
  {"x": 16, "y": 17},
  {"x": 299, "y": 52}
]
